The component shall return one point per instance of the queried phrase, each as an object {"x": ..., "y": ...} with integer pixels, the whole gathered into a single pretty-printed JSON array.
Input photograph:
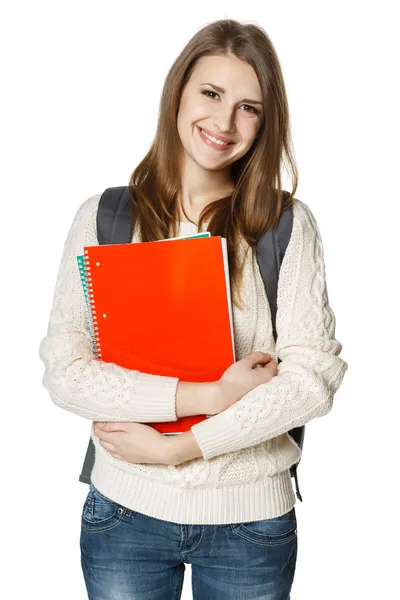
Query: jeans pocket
[
  {"x": 269, "y": 532},
  {"x": 99, "y": 513}
]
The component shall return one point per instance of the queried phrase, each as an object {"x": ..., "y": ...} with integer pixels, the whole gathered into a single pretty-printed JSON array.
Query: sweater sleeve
[
  {"x": 311, "y": 370},
  {"x": 76, "y": 380}
]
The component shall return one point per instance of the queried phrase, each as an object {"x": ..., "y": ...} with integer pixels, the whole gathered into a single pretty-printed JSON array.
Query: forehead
[{"x": 228, "y": 72}]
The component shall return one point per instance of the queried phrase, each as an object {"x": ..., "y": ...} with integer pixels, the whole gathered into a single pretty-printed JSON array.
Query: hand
[
  {"x": 133, "y": 442},
  {"x": 243, "y": 376}
]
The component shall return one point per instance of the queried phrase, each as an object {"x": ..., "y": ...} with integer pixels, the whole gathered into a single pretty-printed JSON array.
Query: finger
[
  {"x": 258, "y": 358},
  {"x": 255, "y": 357},
  {"x": 273, "y": 365},
  {"x": 107, "y": 445},
  {"x": 268, "y": 373},
  {"x": 107, "y": 436},
  {"x": 117, "y": 456},
  {"x": 109, "y": 426}
]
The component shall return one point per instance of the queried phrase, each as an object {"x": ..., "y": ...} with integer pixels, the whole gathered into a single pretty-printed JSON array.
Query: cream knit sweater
[{"x": 244, "y": 473}]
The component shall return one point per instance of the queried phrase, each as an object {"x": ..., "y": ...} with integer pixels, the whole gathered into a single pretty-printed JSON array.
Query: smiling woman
[
  {"x": 220, "y": 495},
  {"x": 222, "y": 119}
]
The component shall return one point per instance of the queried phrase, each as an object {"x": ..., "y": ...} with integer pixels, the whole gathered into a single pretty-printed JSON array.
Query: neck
[{"x": 199, "y": 188}]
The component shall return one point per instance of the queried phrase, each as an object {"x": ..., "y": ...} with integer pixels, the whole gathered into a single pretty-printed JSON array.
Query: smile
[{"x": 212, "y": 141}]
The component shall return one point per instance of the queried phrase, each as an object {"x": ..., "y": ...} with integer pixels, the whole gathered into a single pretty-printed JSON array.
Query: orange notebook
[{"x": 163, "y": 309}]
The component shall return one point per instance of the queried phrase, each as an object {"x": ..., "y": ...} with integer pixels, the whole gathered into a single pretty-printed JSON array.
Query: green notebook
[{"x": 85, "y": 285}]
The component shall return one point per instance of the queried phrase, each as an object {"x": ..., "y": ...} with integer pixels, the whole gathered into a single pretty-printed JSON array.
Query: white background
[{"x": 81, "y": 87}]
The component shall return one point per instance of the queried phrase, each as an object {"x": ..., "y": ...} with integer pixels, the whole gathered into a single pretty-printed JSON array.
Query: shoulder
[
  {"x": 304, "y": 221},
  {"x": 83, "y": 230},
  {"x": 88, "y": 209},
  {"x": 305, "y": 244},
  {"x": 302, "y": 212},
  {"x": 86, "y": 214}
]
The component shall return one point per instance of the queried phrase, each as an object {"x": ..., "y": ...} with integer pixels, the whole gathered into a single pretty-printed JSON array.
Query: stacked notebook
[{"x": 162, "y": 308}]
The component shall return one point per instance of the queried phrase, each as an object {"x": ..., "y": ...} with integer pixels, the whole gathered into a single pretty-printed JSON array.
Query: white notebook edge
[{"x": 201, "y": 234}]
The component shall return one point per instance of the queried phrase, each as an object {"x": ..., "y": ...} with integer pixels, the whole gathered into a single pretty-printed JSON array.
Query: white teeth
[{"x": 214, "y": 139}]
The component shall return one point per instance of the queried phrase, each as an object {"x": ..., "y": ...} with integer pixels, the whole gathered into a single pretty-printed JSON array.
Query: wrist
[
  {"x": 212, "y": 398},
  {"x": 197, "y": 398},
  {"x": 181, "y": 448}
]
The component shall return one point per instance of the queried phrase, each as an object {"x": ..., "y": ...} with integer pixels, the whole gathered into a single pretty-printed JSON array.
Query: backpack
[{"x": 115, "y": 226}]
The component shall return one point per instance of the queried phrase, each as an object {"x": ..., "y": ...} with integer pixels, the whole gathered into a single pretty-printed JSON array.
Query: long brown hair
[{"x": 257, "y": 200}]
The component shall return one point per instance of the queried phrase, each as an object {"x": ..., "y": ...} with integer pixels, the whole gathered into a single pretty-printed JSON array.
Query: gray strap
[
  {"x": 115, "y": 217},
  {"x": 270, "y": 252},
  {"x": 114, "y": 226},
  {"x": 88, "y": 463}
]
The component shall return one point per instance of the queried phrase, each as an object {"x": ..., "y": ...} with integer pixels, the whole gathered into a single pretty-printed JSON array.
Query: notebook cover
[
  {"x": 163, "y": 309},
  {"x": 82, "y": 272}
]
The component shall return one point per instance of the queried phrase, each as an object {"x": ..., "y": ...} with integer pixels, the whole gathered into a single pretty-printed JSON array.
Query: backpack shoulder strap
[
  {"x": 114, "y": 226},
  {"x": 114, "y": 216},
  {"x": 271, "y": 249}
]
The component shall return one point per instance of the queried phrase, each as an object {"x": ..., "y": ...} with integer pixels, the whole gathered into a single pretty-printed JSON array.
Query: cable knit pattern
[
  {"x": 78, "y": 382},
  {"x": 244, "y": 473},
  {"x": 310, "y": 372}
]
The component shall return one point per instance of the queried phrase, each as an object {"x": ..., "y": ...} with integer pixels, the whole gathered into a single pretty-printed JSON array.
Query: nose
[{"x": 224, "y": 120}]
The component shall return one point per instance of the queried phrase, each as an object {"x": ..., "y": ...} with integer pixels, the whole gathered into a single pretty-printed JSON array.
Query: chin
[{"x": 212, "y": 165}]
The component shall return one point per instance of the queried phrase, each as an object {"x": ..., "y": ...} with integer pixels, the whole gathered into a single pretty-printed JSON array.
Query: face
[{"x": 234, "y": 114}]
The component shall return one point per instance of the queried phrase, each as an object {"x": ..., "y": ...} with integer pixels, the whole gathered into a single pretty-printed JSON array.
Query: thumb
[{"x": 258, "y": 357}]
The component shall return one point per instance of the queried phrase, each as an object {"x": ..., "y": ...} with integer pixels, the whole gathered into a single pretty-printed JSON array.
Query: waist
[{"x": 248, "y": 485}]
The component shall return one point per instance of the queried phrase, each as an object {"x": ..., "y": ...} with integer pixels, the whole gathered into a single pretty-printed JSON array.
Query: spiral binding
[
  {"x": 92, "y": 305},
  {"x": 82, "y": 272}
]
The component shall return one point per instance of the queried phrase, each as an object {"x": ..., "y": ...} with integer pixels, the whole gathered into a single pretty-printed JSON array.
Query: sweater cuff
[
  {"x": 216, "y": 436},
  {"x": 155, "y": 398}
]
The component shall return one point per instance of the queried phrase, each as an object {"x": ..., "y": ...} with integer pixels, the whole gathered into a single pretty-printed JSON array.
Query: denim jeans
[{"x": 126, "y": 555}]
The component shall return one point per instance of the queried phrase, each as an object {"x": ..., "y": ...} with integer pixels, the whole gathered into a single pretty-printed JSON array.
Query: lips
[
  {"x": 217, "y": 137},
  {"x": 212, "y": 144}
]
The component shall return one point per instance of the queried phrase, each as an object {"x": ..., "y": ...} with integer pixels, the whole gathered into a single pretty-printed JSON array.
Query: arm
[
  {"x": 196, "y": 399},
  {"x": 310, "y": 372},
  {"x": 91, "y": 388}
]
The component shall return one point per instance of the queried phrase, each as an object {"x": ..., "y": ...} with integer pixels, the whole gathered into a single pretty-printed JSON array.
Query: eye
[
  {"x": 253, "y": 110},
  {"x": 205, "y": 92}
]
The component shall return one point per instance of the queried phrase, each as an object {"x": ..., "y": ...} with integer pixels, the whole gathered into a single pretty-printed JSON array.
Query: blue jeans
[{"x": 126, "y": 555}]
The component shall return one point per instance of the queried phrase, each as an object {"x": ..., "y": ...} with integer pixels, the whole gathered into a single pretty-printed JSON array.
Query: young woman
[{"x": 219, "y": 496}]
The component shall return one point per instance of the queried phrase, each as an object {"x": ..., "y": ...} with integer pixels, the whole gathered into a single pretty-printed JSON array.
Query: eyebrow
[{"x": 222, "y": 91}]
